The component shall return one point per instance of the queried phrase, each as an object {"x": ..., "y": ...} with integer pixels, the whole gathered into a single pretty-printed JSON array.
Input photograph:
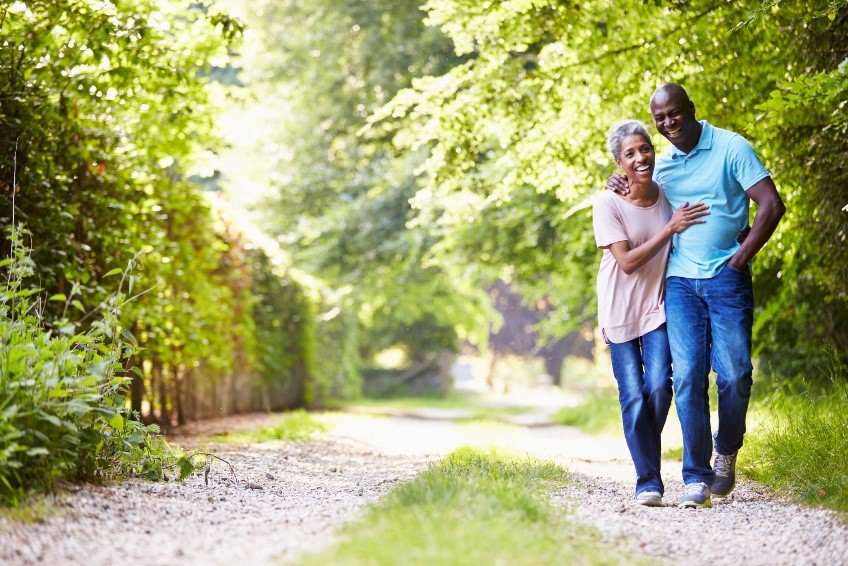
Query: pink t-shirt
[{"x": 632, "y": 305}]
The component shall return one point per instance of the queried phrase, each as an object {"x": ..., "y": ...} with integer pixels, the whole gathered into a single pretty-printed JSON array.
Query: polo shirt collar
[{"x": 704, "y": 142}]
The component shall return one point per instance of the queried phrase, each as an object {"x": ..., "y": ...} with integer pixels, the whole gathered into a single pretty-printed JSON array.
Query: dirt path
[{"x": 289, "y": 497}]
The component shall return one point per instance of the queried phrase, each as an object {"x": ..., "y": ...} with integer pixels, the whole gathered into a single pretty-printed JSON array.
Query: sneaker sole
[
  {"x": 726, "y": 493},
  {"x": 650, "y": 503},
  {"x": 694, "y": 505}
]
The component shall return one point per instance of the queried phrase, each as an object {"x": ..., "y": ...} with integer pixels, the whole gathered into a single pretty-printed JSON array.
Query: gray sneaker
[
  {"x": 697, "y": 495},
  {"x": 649, "y": 498},
  {"x": 725, "y": 474}
]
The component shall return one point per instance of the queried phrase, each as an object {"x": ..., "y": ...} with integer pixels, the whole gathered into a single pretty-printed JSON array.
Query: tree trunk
[
  {"x": 179, "y": 393},
  {"x": 159, "y": 377}
]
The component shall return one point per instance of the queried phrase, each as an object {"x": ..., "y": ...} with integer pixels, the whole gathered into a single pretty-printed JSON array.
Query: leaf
[
  {"x": 58, "y": 297},
  {"x": 38, "y": 451},
  {"x": 186, "y": 466},
  {"x": 112, "y": 272},
  {"x": 52, "y": 419},
  {"x": 117, "y": 422}
]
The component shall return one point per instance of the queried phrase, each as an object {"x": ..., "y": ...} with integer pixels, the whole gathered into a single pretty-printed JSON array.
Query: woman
[{"x": 634, "y": 232}]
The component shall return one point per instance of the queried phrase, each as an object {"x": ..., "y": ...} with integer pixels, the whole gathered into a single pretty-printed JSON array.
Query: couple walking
[{"x": 674, "y": 286}]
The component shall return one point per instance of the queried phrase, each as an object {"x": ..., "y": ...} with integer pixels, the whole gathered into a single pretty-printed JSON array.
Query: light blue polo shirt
[{"x": 717, "y": 171}]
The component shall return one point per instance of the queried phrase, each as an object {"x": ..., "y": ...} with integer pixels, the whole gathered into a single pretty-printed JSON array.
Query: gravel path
[{"x": 289, "y": 497}]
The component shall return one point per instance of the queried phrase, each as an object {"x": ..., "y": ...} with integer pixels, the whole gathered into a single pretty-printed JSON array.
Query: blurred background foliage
[{"x": 302, "y": 186}]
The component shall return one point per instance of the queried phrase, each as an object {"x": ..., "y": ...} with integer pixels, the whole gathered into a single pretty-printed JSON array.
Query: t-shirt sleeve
[
  {"x": 746, "y": 166},
  {"x": 607, "y": 222}
]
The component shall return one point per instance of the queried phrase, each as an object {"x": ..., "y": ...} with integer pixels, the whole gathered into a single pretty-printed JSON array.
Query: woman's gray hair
[{"x": 623, "y": 129}]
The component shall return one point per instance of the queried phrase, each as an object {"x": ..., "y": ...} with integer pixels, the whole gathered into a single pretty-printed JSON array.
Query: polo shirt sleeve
[
  {"x": 607, "y": 221},
  {"x": 745, "y": 165}
]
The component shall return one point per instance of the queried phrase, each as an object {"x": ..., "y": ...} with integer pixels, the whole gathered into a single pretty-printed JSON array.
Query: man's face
[{"x": 674, "y": 117}]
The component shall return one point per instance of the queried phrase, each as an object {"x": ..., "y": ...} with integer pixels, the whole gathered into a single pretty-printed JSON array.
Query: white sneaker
[
  {"x": 697, "y": 495},
  {"x": 649, "y": 498}
]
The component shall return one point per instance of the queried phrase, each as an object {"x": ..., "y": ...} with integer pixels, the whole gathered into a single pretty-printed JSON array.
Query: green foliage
[
  {"x": 303, "y": 332},
  {"x": 804, "y": 121},
  {"x": 801, "y": 446},
  {"x": 283, "y": 317},
  {"x": 62, "y": 405},
  {"x": 472, "y": 507},
  {"x": 335, "y": 364},
  {"x": 105, "y": 111},
  {"x": 107, "y": 124},
  {"x": 344, "y": 198},
  {"x": 514, "y": 137}
]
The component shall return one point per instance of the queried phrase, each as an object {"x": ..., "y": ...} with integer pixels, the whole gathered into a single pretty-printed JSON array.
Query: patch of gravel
[
  {"x": 749, "y": 527},
  {"x": 286, "y": 499},
  {"x": 303, "y": 491}
]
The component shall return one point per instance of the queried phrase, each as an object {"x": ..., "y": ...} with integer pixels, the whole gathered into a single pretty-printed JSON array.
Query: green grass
[
  {"x": 675, "y": 453},
  {"x": 598, "y": 414},
  {"x": 473, "y": 507},
  {"x": 298, "y": 425},
  {"x": 476, "y": 405},
  {"x": 31, "y": 509},
  {"x": 799, "y": 447}
]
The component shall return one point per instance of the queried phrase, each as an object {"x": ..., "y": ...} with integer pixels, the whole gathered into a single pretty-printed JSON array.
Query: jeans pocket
[{"x": 746, "y": 272}]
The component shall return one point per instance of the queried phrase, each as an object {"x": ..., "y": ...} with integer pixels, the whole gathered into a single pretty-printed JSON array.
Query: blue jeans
[
  {"x": 709, "y": 326},
  {"x": 642, "y": 369}
]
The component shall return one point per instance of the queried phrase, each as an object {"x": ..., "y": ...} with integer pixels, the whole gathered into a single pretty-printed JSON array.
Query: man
[{"x": 709, "y": 298}]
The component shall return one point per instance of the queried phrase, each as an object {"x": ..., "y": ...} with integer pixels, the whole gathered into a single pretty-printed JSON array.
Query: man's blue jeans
[
  {"x": 709, "y": 325},
  {"x": 642, "y": 369}
]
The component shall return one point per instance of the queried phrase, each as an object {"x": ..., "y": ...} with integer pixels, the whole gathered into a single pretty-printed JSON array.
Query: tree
[
  {"x": 515, "y": 134},
  {"x": 343, "y": 197}
]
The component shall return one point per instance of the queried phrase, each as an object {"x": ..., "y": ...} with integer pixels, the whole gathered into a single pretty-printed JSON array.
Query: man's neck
[{"x": 692, "y": 141}]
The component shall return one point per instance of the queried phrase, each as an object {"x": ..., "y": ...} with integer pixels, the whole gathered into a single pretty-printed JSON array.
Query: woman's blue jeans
[
  {"x": 642, "y": 369},
  {"x": 709, "y": 326}
]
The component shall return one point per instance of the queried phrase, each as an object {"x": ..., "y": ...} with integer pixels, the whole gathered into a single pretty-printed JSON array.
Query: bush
[{"x": 62, "y": 413}]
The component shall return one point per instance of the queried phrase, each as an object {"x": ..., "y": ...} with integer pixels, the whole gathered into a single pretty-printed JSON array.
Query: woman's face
[{"x": 637, "y": 158}]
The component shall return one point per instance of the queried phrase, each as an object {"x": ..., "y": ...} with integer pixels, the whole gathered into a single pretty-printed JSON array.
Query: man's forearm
[{"x": 765, "y": 222}]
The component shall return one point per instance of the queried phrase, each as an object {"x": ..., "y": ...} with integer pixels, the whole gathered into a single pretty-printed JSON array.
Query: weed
[{"x": 62, "y": 410}]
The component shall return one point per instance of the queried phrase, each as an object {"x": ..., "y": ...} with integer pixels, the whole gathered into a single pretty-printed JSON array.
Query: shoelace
[{"x": 723, "y": 464}]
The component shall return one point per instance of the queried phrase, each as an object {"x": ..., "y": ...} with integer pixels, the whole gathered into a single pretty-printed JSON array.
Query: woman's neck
[{"x": 643, "y": 194}]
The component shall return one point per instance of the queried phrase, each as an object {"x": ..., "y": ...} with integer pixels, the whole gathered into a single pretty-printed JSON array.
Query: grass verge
[
  {"x": 473, "y": 507},
  {"x": 31, "y": 509},
  {"x": 599, "y": 413},
  {"x": 298, "y": 425},
  {"x": 800, "y": 446}
]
